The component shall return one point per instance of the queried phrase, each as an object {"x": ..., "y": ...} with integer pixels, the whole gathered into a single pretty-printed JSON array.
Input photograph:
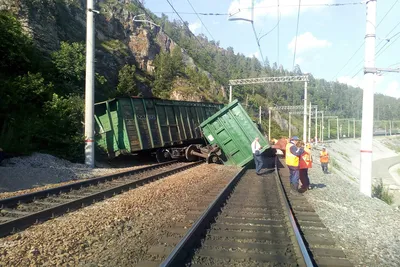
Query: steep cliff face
[{"x": 119, "y": 40}]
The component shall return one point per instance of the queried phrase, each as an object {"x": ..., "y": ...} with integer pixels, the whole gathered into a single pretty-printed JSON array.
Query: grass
[
  {"x": 346, "y": 156},
  {"x": 352, "y": 178},
  {"x": 335, "y": 164},
  {"x": 115, "y": 45},
  {"x": 390, "y": 144},
  {"x": 379, "y": 191},
  {"x": 398, "y": 171}
]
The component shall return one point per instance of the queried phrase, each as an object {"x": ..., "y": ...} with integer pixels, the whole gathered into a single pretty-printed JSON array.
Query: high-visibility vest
[
  {"x": 324, "y": 157},
  {"x": 291, "y": 160},
  {"x": 305, "y": 159}
]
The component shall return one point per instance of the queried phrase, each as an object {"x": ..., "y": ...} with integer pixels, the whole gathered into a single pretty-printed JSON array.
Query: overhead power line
[
  {"x": 311, "y": 5},
  {"x": 348, "y": 61},
  {"x": 279, "y": 19},
  {"x": 380, "y": 50},
  {"x": 268, "y": 32},
  {"x": 358, "y": 49},
  {"x": 255, "y": 34},
  {"x": 200, "y": 19},
  {"x": 262, "y": 7},
  {"x": 390, "y": 9},
  {"x": 297, "y": 32},
  {"x": 185, "y": 23}
]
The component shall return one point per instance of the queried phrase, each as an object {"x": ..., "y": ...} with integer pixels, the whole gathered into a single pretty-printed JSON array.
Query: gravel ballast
[
  {"x": 28, "y": 174},
  {"x": 118, "y": 231},
  {"x": 366, "y": 228}
]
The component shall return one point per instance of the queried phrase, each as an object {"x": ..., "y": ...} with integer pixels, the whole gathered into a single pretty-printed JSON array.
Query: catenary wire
[
  {"x": 380, "y": 50},
  {"x": 184, "y": 23},
  {"x": 255, "y": 35},
  {"x": 279, "y": 19},
  {"x": 344, "y": 66},
  {"x": 297, "y": 32},
  {"x": 271, "y": 6},
  {"x": 200, "y": 19}
]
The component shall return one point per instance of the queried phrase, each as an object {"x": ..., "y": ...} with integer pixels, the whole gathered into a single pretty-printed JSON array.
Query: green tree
[
  {"x": 62, "y": 129},
  {"x": 70, "y": 61},
  {"x": 23, "y": 98},
  {"x": 164, "y": 75},
  {"x": 127, "y": 81},
  {"x": 177, "y": 60},
  {"x": 16, "y": 48}
]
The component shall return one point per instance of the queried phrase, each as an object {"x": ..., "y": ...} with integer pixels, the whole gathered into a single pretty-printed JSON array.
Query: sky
[{"x": 330, "y": 39}]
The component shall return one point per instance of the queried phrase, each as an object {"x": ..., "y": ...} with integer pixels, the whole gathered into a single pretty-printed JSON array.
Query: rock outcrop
[{"x": 119, "y": 40}]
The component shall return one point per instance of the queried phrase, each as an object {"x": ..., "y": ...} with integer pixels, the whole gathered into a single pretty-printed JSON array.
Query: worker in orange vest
[
  {"x": 292, "y": 161},
  {"x": 304, "y": 164},
  {"x": 324, "y": 159}
]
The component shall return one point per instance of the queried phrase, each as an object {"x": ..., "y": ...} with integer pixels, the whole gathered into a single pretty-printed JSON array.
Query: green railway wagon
[
  {"x": 132, "y": 125},
  {"x": 233, "y": 131}
]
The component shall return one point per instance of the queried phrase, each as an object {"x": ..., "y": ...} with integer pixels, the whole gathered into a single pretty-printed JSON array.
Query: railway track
[
  {"x": 250, "y": 223},
  {"x": 19, "y": 212}
]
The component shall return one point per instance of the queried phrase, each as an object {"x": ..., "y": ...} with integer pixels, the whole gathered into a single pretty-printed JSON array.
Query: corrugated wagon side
[
  {"x": 233, "y": 131},
  {"x": 133, "y": 125}
]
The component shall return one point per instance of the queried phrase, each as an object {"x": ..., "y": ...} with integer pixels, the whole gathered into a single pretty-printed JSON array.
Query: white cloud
[
  {"x": 393, "y": 89},
  {"x": 255, "y": 54},
  {"x": 194, "y": 26},
  {"x": 359, "y": 81},
  {"x": 299, "y": 60},
  {"x": 263, "y": 8},
  {"x": 307, "y": 41},
  {"x": 382, "y": 85}
]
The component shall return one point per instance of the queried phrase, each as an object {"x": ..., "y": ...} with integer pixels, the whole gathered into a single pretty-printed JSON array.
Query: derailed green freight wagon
[
  {"x": 233, "y": 131},
  {"x": 131, "y": 125}
]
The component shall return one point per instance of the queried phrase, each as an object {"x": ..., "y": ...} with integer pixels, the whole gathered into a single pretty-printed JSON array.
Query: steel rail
[
  {"x": 20, "y": 223},
  {"x": 179, "y": 253},
  {"x": 304, "y": 253},
  {"x": 7, "y": 202}
]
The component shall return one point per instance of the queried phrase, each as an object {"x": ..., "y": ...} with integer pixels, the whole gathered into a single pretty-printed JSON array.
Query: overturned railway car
[
  {"x": 233, "y": 131},
  {"x": 141, "y": 125}
]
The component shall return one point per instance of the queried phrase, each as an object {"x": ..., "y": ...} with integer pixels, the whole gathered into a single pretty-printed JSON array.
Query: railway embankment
[
  {"x": 345, "y": 161},
  {"x": 366, "y": 228}
]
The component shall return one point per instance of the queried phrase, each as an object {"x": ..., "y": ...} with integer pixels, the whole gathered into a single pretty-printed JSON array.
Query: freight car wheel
[
  {"x": 163, "y": 155},
  {"x": 188, "y": 153},
  {"x": 212, "y": 158}
]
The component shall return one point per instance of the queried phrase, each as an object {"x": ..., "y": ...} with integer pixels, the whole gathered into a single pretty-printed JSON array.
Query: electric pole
[
  {"x": 368, "y": 101},
  {"x": 269, "y": 123},
  {"x": 316, "y": 125},
  {"x": 89, "y": 86},
  {"x": 305, "y": 113},
  {"x": 309, "y": 124}
]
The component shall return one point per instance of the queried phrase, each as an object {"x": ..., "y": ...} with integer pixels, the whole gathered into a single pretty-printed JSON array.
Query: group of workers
[{"x": 298, "y": 158}]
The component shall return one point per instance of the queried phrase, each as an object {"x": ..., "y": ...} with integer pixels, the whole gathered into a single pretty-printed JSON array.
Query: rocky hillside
[{"x": 119, "y": 40}]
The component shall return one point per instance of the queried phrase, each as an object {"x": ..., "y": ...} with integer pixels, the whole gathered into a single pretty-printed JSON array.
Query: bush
[
  {"x": 127, "y": 81},
  {"x": 379, "y": 191},
  {"x": 62, "y": 130}
]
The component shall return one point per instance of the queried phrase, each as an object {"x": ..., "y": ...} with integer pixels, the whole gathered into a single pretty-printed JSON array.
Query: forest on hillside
[{"x": 41, "y": 99}]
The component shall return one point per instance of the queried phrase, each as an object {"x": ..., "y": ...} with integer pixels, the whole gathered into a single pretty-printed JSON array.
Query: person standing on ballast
[
  {"x": 256, "y": 149},
  {"x": 292, "y": 159}
]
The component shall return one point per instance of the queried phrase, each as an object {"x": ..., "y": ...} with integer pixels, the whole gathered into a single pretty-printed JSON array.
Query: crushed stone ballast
[{"x": 19, "y": 212}]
